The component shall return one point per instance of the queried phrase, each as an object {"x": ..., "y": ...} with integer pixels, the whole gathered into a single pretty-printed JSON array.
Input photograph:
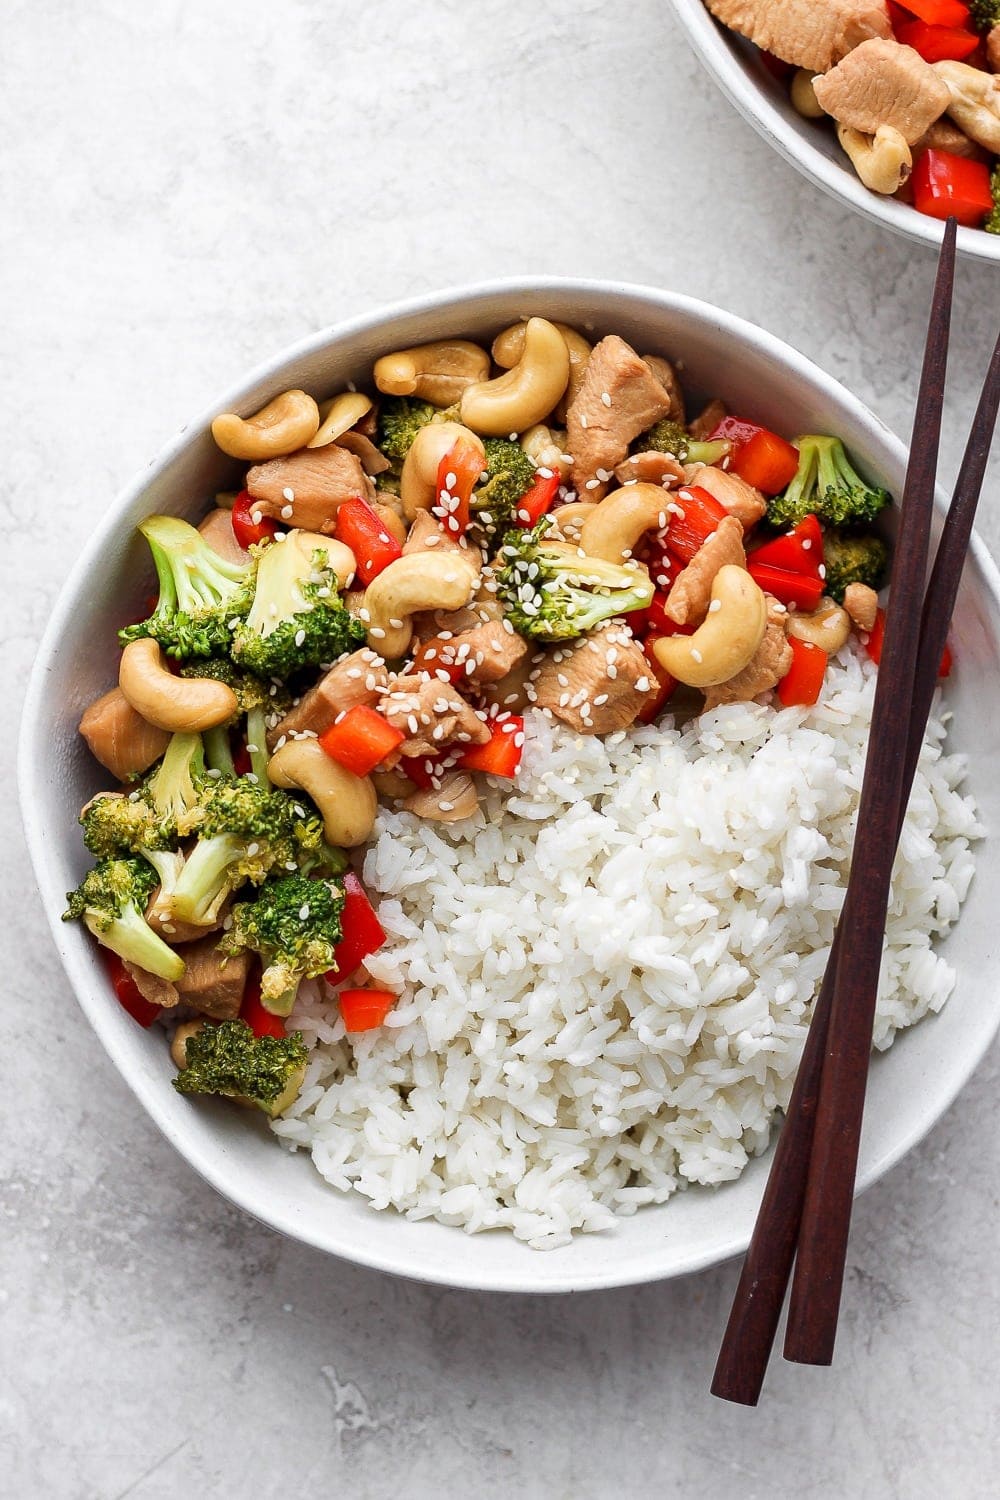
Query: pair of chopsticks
[{"x": 804, "y": 1218}]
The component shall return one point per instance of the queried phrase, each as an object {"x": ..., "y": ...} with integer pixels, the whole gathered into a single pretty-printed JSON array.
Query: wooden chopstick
[{"x": 756, "y": 1311}]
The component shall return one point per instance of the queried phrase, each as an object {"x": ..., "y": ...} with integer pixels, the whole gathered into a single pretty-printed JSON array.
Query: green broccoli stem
[
  {"x": 706, "y": 453},
  {"x": 133, "y": 939},
  {"x": 204, "y": 884},
  {"x": 257, "y": 745},
  {"x": 279, "y": 987},
  {"x": 218, "y": 755}
]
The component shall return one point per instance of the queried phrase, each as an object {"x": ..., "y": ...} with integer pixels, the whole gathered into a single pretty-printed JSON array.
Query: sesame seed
[
  {"x": 287, "y": 511},
  {"x": 300, "y": 638},
  {"x": 364, "y": 616},
  {"x": 304, "y": 912},
  {"x": 377, "y": 632},
  {"x": 253, "y": 849},
  {"x": 807, "y": 543},
  {"x": 396, "y": 624},
  {"x": 213, "y": 773},
  {"x": 446, "y": 806},
  {"x": 287, "y": 494},
  {"x": 606, "y": 398},
  {"x": 583, "y": 420},
  {"x": 821, "y": 570},
  {"x": 696, "y": 654},
  {"x": 715, "y": 606}
]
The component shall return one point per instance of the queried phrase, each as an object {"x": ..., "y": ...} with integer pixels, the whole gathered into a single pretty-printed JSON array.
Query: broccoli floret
[
  {"x": 550, "y": 592},
  {"x": 400, "y": 418},
  {"x": 670, "y": 437},
  {"x": 257, "y": 701},
  {"x": 297, "y": 618},
  {"x": 229, "y": 1059},
  {"x": 985, "y": 14},
  {"x": 175, "y": 788},
  {"x": 119, "y": 823},
  {"x": 111, "y": 901},
  {"x": 826, "y": 486},
  {"x": 294, "y": 925},
  {"x": 992, "y": 222},
  {"x": 509, "y": 475},
  {"x": 201, "y": 594},
  {"x": 853, "y": 559},
  {"x": 246, "y": 832}
]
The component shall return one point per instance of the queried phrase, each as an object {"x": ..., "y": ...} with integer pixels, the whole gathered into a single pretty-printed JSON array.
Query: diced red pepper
[
  {"x": 537, "y": 501},
  {"x": 361, "y": 740},
  {"x": 776, "y": 66},
  {"x": 662, "y": 564},
  {"x": 253, "y": 1012},
  {"x": 363, "y": 933},
  {"x": 425, "y": 770},
  {"x": 437, "y": 656},
  {"x": 246, "y": 530},
  {"x": 945, "y": 184},
  {"x": 934, "y": 12},
  {"x": 802, "y": 683},
  {"x": 458, "y": 474},
  {"x": 876, "y": 640},
  {"x": 788, "y": 588},
  {"x": 687, "y": 532},
  {"x": 359, "y": 527},
  {"x": 798, "y": 551},
  {"x": 130, "y": 997},
  {"x": 501, "y": 755},
  {"x": 363, "y": 1010},
  {"x": 937, "y": 43},
  {"x": 242, "y": 764},
  {"x": 664, "y": 683},
  {"x": 654, "y": 620},
  {"x": 757, "y": 454}
]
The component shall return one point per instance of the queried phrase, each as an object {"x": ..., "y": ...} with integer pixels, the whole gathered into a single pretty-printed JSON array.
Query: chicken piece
[
  {"x": 213, "y": 983},
  {"x": 455, "y": 799},
  {"x": 217, "y": 529},
  {"x": 514, "y": 691},
  {"x": 486, "y": 653},
  {"x": 174, "y": 931},
  {"x": 359, "y": 678},
  {"x": 707, "y": 420},
  {"x": 431, "y": 714},
  {"x": 883, "y": 83},
  {"x": 812, "y": 34},
  {"x": 665, "y": 373},
  {"x": 307, "y": 488},
  {"x": 651, "y": 467},
  {"x": 764, "y": 670},
  {"x": 597, "y": 684},
  {"x": 151, "y": 987},
  {"x": 945, "y": 135},
  {"x": 119, "y": 737},
  {"x": 425, "y": 535},
  {"x": 691, "y": 591},
  {"x": 372, "y": 461},
  {"x": 739, "y": 498},
  {"x": 993, "y": 48},
  {"x": 973, "y": 101},
  {"x": 861, "y": 604},
  {"x": 618, "y": 398}
]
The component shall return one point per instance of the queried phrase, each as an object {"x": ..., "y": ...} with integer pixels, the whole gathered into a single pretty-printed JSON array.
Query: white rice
[{"x": 606, "y": 975}]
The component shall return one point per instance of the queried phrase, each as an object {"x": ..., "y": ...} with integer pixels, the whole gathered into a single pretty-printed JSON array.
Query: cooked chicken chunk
[
  {"x": 945, "y": 135},
  {"x": 707, "y": 420},
  {"x": 739, "y": 498},
  {"x": 425, "y": 535},
  {"x": 213, "y": 982},
  {"x": 359, "y": 678},
  {"x": 667, "y": 376},
  {"x": 151, "y": 987},
  {"x": 597, "y": 684},
  {"x": 691, "y": 592},
  {"x": 454, "y": 800},
  {"x": 487, "y": 652},
  {"x": 650, "y": 467},
  {"x": 307, "y": 488},
  {"x": 861, "y": 604},
  {"x": 217, "y": 529},
  {"x": 119, "y": 737},
  {"x": 431, "y": 714},
  {"x": 618, "y": 398},
  {"x": 883, "y": 83},
  {"x": 812, "y": 34},
  {"x": 372, "y": 461},
  {"x": 764, "y": 670}
]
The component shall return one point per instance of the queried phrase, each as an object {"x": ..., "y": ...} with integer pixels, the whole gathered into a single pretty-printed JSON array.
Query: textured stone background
[{"x": 188, "y": 187}]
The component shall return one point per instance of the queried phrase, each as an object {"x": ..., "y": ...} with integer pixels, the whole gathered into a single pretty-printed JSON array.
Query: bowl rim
[
  {"x": 709, "y": 39},
  {"x": 209, "y": 1166}
]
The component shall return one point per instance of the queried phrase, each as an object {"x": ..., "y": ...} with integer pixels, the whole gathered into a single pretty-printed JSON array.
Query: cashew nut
[
  {"x": 827, "y": 627},
  {"x": 726, "y": 640},
  {"x": 339, "y": 557},
  {"x": 338, "y": 416},
  {"x": 416, "y": 581},
  {"x": 508, "y": 347},
  {"x": 570, "y": 519},
  {"x": 347, "y": 803},
  {"x": 882, "y": 161},
  {"x": 547, "y": 449},
  {"x": 527, "y": 392},
  {"x": 803, "y": 96},
  {"x": 283, "y": 425},
  {"x": 418, "y": 481},
  {"x": 391, "y": 521},
  {"x": 438, "y": 372},
  {"x": 181, "y": 705},
  {"x": 615, "y": 527},
  {"x": 179, "y": 1041},
  {"x": 975, "y": 101}
]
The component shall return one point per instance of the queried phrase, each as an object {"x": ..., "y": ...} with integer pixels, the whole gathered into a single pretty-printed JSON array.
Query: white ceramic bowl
[
  {"x": 809, "y": 145},
  {"x": 910, "y": 1086}
]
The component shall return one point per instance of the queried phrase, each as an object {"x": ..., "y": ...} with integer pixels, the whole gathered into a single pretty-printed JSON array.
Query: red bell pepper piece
[
  {"x": 359, "y": 527},
  {"x": 538, "y": 501},
  {"x": 663, "y": 566},
  {"x": 363, "y": 933},
  {"x": 130, "y": 997},
  {"x": 361, "y": 739},
  {"x": 426, "y": 770},
  {"x": 654, "y": 620},
  {"x": 937, "y": 43},
  {"x": 363, "y": 1010},
  {"x": 501, "y": 754},
  {"x": 876, "y": 640},
  {"x": 664, "y": 684},
  {"x": 757, "y": 454},
  {"x": 253, "y": 1012},
  {"x": 803, "y": 681},
  {"x": 798, "y": 551},
  {"x": 246, "y": 530},
  {"x": 458, "y": 474},
  {"x": 788, "y": 588},
  {"x": 242, "y": 764},
  {"x": 935, "y": 12},
  {"x": 438, "y": 657},
  {"x": 945, "y": 184},
  {"x": 701, "y": 514}
]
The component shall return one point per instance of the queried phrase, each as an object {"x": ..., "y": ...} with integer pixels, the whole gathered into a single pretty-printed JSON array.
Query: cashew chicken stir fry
[
  {"x": 913, "y": 91},
  {"x": 400, "y": 576}
]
